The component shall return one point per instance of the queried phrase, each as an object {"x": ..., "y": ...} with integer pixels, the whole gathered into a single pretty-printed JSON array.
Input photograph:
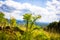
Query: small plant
[{"x": 29, "y": 19}]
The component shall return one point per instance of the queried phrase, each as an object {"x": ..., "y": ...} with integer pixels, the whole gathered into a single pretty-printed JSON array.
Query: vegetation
[
  {"x": 10, "y": 30},
  {"x": 54, "y": 27}
]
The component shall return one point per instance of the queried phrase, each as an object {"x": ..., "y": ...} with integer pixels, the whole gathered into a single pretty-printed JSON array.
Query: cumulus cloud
[
  {"x": 53, "y": 8},
  {"x": 15, "y": 14},
  {"x": 48, "y": 14}
]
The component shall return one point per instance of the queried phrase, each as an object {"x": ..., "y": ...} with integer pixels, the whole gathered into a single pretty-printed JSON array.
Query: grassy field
[
  {"x": 37, "y": 34},
  {"x": 11, "y": 30}
]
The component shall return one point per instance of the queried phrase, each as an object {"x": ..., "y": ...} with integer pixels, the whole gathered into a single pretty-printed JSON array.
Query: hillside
[{"x": 11, "y": 29}]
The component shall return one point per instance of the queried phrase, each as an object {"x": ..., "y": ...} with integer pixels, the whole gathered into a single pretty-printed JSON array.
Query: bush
[{"x": 54, "y": 27}]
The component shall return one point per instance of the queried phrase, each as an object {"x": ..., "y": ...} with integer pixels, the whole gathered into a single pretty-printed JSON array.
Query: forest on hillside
[{"x": 11, "y": 30}]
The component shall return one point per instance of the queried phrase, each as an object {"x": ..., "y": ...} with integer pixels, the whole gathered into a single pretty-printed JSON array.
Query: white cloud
[
  {"x": 54, "y": 5},
  {"x": 7, "y": 15},
  {"x": 14, "y": 14},
  {"x": 14, "y": 4},
  {"x": 48, "y": 14},
  {"x": 1, "y": 3},
  {"x": 53, "y": 8}
]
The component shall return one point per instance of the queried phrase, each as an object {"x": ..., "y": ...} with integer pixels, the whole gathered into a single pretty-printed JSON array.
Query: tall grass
[{"x": 33, "y": 35}]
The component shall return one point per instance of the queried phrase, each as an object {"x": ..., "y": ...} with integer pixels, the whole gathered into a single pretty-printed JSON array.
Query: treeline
[{"x": 54, "y": 27}]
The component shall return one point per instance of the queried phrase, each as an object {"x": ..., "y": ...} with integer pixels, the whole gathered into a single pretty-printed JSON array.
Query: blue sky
[
  {"x": 34, "y": 2},
  {"x": 48, "y": 9}
]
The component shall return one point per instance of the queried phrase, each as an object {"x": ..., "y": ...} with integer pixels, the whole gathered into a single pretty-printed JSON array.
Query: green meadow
[{"x": 11, "y": 30}]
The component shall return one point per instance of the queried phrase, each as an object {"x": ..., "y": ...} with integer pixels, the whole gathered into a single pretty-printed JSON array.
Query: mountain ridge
[{"x": 43, "y": 24}]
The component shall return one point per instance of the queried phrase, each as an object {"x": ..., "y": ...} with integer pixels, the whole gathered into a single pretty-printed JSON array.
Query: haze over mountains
[{"x": 42, "y": 24}]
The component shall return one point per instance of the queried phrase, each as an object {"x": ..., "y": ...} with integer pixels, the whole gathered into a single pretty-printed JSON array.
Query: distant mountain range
[{"x": 43, "y": 24}]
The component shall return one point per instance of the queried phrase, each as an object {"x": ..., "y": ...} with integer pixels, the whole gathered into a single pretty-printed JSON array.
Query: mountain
[{"x": 43, "y": 24}]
